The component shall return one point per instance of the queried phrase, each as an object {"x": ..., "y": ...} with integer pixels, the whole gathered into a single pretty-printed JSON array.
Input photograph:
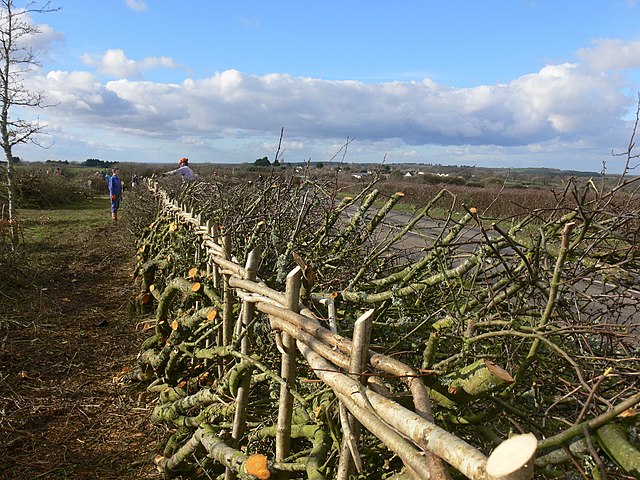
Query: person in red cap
[{"x": 183, "y": 170}]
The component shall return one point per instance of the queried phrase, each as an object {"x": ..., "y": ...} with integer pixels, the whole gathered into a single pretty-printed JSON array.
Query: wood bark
[
  {"x": 445, "y": 445},
  {"x": 349, "y": 456},
  {"x": 613, "y": 438},
  {"x": 288, "y": 373}
]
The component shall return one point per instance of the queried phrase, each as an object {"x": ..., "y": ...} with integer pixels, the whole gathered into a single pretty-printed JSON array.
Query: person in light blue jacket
[{"x": 115, "y": 190}]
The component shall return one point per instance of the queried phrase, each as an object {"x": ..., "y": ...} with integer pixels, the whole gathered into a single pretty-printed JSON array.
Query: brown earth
[{"x": 67, "y": 342}]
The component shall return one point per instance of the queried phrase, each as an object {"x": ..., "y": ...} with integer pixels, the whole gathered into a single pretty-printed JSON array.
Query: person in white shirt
[{"x": 183, "y": 170}]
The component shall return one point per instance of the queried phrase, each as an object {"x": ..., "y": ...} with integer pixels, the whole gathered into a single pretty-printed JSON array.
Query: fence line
[{"x": 337, "y": 361}]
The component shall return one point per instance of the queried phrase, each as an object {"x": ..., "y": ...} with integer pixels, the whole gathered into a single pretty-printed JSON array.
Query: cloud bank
[
  {"x": 581, "y": 105},
  {"x": 560, "y": 102},
  {"x": 611, "y": 54}
]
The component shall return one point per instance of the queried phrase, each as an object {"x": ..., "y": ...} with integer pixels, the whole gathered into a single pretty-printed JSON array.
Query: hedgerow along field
[
  {"x": 548, "y": 299},
  {"x": 541, "y": 301}
]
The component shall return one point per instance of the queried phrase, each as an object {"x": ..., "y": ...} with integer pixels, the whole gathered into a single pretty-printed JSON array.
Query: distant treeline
[
  {"x": 96, "y": 163},
  {"x": 89, "y": 162}
]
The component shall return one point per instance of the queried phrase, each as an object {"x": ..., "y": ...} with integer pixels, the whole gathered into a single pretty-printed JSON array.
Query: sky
[{"x": 489, "y": 83}]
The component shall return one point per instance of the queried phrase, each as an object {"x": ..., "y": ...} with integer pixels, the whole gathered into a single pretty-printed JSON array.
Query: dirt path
[{"x": 66, "y": 342}]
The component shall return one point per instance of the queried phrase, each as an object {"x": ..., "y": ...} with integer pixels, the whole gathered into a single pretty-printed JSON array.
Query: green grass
[{"x": 54, "y": 227}]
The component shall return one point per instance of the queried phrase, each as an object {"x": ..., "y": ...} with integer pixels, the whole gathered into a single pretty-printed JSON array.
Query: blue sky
[{"x": 517, "y": 83}]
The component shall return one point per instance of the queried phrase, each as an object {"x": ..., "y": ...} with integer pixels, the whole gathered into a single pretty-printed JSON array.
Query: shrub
[{"x": 41, "y": 190}]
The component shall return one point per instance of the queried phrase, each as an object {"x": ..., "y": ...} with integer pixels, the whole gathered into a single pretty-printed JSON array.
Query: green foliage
[
  {"x": 96, "y": 163},
  {"x": 36, "y": 189},
  {"x": 262, "y": 162}
]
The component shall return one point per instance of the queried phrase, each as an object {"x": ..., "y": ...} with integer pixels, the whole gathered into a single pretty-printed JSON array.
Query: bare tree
[{"x": 17, "y": 58}]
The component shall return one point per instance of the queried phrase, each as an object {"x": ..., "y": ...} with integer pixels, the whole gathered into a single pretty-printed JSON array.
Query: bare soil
[{"x": 67, "y": 342}]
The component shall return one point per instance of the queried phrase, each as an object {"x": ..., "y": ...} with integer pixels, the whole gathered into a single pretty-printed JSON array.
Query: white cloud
[
  {"x": 611, "y": 54},
  {"x": 41, "y": 39},
  {"x": 559, "y": 102},
  {"x": 115, "y": 63},
  {"x": 150, "y": 63},
  {"x": 565, "y": 106},
  {"x": 79, "y": 93},
  {"x": 406, "y": 154},
  {"x": 137, "y": 5}
]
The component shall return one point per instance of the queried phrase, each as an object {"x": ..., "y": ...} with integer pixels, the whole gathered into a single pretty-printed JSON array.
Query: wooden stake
[
  {"x": 288, "y": 373},
  {"x": 226, "y": 332},
  {"x": 242, "y": 397},
  {"x": 349, "y": 456},
  {"x": 253, "y": 262},
  {"x": 227, "y": 313}
]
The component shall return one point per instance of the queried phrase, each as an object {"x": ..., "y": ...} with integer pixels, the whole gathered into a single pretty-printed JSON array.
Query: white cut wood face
[{"x": 512, "y": 455}]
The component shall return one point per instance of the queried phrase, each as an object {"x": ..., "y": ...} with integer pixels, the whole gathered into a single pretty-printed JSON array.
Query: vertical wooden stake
[
  {"x": 227, "y": 299},
  {"x": 197, "y": 257},
  {"x": 331, "y": 313},
  {"x": 214, "y": 268},
  {"x": 360, "y": 347},
  {"x": 349, "y": 456},
  {"x": 226, "y": 334},
  {"x": 212, "y": 271},
  {"x": 288, "y": 373},
  {"x": 253, "y": 262},
  {"x": 242, "y": 397}
]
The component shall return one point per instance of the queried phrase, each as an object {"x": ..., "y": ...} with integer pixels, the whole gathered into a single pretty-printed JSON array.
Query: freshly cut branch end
[
  {"x": 499, "y": 372},
  {"x": 513, "y": 459},
  {"x": 256, "y": 465}
]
